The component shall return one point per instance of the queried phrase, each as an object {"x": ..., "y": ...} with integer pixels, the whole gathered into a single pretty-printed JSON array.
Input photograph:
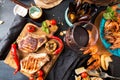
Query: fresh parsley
[{"x": 109, "y": 14}]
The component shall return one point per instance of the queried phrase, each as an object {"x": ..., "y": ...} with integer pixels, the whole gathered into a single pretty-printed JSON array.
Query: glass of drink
[{"x": 81, "y": 36}]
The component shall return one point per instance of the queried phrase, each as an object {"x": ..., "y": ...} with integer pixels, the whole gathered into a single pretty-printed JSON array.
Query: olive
[{"x": 72, "y": 17}]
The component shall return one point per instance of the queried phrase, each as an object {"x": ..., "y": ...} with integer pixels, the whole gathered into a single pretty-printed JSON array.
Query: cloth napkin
[{"x": 11, "y": 35}]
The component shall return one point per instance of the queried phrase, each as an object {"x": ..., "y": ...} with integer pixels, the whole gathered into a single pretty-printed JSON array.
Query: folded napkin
[{"x": 11, "y": 35}]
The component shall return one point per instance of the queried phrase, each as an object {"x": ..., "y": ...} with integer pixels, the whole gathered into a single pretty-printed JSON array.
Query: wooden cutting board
[{"x": 46, "y": 68}]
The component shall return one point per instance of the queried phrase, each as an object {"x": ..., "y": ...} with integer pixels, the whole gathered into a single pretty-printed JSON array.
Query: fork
[{"x": 105, "y": 75}]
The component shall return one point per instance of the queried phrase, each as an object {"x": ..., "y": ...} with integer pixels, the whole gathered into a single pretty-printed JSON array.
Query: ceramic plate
[
  {"x": 105, "y": 42},
  {"x": 67, "y": 19}
]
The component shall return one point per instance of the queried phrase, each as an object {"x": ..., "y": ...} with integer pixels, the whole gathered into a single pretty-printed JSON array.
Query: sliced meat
[
  {"x": 34, "y": 62},
  {"x": 31, "y": 43}
]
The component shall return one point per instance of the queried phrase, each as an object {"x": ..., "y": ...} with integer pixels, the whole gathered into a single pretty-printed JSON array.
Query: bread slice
[
  {"x": 80, "y": 70},
  {"x": 48, "y": 1},
  {"x": 77, "y": 77},
  {"x": 105, "y": 60},
  {"x": 34, "y": 62},
  {"x": 47, "y": 5}
]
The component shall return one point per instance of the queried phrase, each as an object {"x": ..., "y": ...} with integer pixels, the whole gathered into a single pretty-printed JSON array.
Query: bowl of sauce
[{"x": 35, "y": 12}]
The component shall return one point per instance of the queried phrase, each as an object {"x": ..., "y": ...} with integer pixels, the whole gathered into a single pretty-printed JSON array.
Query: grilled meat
[
  {"x": 33, "y": 62},
  {"x": 31, "y": 42}
]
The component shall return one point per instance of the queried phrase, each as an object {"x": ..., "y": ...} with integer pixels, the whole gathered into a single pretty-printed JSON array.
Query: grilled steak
[
  {"x": 33, "y": 62},
  {"x": 31, "y": 42}
]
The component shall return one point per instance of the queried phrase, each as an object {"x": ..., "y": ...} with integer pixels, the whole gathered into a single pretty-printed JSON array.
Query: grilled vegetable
[
  {"x": 51, "y": 46},
  {"x": 57, "y": 51}
]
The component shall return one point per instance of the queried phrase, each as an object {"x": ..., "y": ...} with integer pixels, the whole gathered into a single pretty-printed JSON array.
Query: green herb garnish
[
  {"x": 109, "y": 14},
  {"x": 47, "y": 30},
  {"x": 44, "y": 24},
  {"x": 45, "y": 27}
]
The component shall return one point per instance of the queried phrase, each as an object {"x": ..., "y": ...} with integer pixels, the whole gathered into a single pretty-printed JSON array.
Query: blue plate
[
  {"x": 104, "y": 41},
  {"x": 67, "y": 19}
]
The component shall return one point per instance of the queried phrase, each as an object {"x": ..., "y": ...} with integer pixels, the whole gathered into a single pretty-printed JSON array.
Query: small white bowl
[
  {"x": 67, "y": 19},
  {"x": 35, "y": 12},
  {"x": 20, "y": 10}
]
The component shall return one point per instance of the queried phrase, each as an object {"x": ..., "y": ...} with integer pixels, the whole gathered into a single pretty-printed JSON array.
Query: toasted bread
[
  {"x": 105, "y": 59},
  {"x": 33, "y": 62},
  {"x": 47, "y": 5}
]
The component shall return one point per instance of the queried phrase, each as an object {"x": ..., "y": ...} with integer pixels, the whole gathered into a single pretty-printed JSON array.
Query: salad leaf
[
  {"x": 44, "y": 24},
  {"x": 109, "y": 14},
  {"x": 109, "y": 9},
  {"x": 47, "y": 31},
  {"x": 45, "y": 27}
]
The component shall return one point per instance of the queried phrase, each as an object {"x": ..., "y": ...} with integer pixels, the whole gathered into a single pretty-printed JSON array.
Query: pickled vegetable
[{"x": 51, "y": 46}]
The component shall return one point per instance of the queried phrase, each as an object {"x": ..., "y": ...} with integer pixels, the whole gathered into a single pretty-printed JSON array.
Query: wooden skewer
[{"x": 20, "y": 3}]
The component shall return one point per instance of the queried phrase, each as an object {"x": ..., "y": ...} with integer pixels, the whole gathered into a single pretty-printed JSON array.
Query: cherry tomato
[
  {"x": 31, "y": 78},
  {"x": 31, "y": 28},
  {"x": 53, "y": 22},
  {"x": 40, "y": 73},
  {"x": 40, "y": 78},
  {"x": 84, "y": 75}
]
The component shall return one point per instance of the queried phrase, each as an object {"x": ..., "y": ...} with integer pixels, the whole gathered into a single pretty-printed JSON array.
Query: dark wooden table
[{"x": 7, "y": 15}]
